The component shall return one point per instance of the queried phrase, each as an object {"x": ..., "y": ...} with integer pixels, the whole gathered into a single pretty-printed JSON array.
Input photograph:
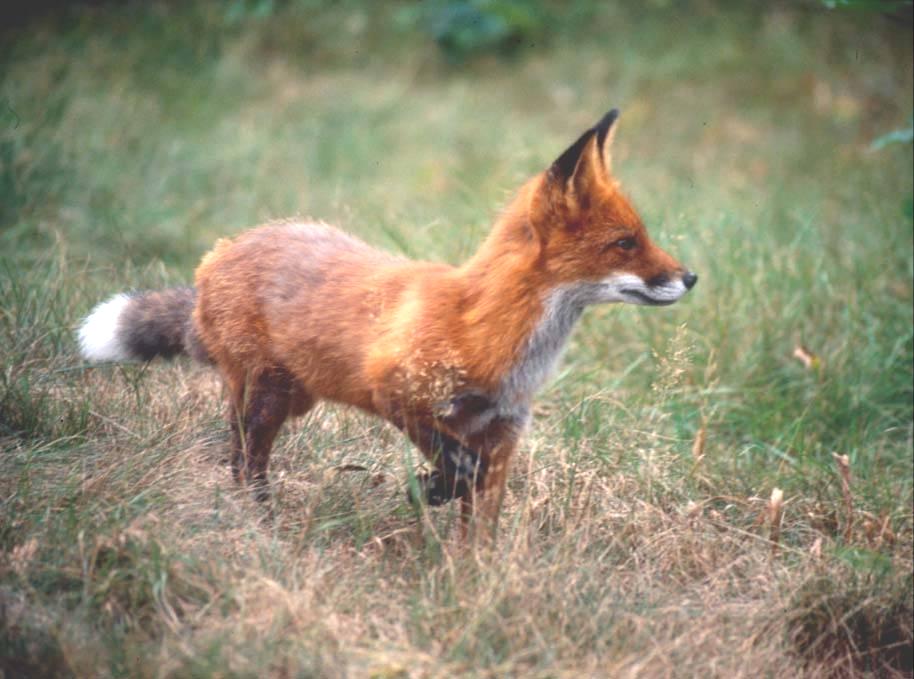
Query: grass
[{"x": 636, "y": 535}]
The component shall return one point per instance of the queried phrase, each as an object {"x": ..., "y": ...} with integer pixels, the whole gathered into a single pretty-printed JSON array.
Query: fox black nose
[{"x": 689, "y": 279}]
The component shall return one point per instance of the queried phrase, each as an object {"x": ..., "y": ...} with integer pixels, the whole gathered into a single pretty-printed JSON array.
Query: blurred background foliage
[{"x": 761, "y": 57}]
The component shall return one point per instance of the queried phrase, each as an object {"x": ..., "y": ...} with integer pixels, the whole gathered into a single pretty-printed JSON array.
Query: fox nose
[{"x": 689, "y": 279}]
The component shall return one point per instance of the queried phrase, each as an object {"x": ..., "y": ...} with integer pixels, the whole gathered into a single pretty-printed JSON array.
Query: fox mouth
[{"x": 644, "y": 298}]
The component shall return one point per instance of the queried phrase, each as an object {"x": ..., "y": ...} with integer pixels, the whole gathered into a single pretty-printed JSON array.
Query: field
[{"x": 643, "y": 534}]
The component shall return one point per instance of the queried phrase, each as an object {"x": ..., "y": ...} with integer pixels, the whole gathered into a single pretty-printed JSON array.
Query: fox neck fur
[{"x": 516, "y": 310}]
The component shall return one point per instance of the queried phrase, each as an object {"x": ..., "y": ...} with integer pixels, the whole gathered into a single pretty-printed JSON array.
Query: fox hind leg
[
  {"x": 235, "y": 384},
  {"x": 258, "y": 407}
]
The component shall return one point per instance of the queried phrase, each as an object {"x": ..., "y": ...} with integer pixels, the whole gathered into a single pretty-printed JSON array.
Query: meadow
[{"x": 718, "y": 488}]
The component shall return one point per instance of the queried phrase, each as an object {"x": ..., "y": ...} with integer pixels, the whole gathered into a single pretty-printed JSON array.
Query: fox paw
[{"x": 436, "y": 491}]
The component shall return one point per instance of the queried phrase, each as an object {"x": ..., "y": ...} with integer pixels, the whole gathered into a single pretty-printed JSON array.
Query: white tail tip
[{"x": 98, "y": 334}]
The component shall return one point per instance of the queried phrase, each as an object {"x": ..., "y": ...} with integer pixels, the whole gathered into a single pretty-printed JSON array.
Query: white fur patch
[
  {"x": 98, "y": 333},
  {"x": 633, "y": 289},
  {"x": 561, "y": 309}
]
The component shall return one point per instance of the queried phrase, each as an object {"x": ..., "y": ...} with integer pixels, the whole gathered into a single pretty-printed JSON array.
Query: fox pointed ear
[
  {"x": 573, "y": 183},
  {"x": 573, "y": 160},
  {"x": 606, "y": 130},
  {"x": 564, "y": 166}
]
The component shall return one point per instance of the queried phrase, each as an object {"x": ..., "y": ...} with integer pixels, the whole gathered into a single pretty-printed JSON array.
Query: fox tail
[{"x": 139, "y": 326}]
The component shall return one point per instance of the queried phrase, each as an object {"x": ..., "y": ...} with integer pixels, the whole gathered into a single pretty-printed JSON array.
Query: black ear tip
[
  {"x": 564, "y": 166},
  {"x": 610, "y": 118},
  {"x": 605, "y": 124}
]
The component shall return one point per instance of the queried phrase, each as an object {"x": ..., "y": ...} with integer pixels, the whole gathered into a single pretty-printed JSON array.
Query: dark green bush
[{"x": 463, "y": 28}]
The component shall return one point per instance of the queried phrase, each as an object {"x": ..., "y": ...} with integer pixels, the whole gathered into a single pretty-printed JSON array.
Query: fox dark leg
[
  {"x": 456, "y": 467},
  {"x": 473, "y": 470},
  {"x": 480, "y": 507},
  {"x": 235, "y": 384},
  {"x": 455, "y": 464},
  {"x": 237, "y": 443},
  {"x": 475, "y": 473},
  {"x": 256, "y": 415}
]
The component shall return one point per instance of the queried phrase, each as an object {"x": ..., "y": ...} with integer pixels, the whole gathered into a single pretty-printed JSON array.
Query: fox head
[{"x": 591, "y": 237}]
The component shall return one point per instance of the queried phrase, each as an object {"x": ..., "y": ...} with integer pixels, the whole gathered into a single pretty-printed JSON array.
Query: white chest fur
[
  {"x": 537, "y": 358},
  {"x": 561, "y": 310}
]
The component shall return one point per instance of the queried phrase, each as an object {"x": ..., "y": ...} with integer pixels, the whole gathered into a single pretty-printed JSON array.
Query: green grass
[{"x": 131, "y": 137}]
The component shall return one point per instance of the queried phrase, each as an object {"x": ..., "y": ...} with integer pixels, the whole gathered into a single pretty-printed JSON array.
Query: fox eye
[{"x": 626, "y": 243}]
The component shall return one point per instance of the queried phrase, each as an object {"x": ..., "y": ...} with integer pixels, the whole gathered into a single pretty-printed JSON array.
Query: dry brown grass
[{"x": 601, "y": 569}]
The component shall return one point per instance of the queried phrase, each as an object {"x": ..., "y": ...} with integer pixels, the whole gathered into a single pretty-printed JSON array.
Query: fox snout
[
  {"x": 661, "y": 290},
  {"x": 689, "y": 279}
]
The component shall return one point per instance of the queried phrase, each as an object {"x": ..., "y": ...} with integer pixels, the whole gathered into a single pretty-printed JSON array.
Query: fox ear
[
  {"x": 606, "y": 130},
  {"x": 574, "y": 160},
  {"x": 563, "y": 168},
  {"x": 578, "y": 172}
]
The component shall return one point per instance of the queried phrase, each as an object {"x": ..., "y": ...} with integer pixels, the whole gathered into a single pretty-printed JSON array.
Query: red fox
[{"x": 293, "y": 312}]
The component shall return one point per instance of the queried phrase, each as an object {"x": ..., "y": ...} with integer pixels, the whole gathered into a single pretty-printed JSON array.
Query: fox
[{"x": 294, "y": 312}]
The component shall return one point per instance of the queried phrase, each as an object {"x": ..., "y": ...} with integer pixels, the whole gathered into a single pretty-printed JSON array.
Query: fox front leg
[
  {"x": 458, "y": 469},
  {"x": 496, "y": 445}
]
